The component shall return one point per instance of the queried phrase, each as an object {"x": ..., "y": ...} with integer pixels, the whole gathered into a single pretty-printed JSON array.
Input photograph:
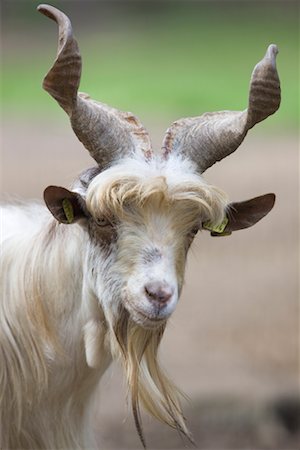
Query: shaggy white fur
[{"x": 73, "y": 299}]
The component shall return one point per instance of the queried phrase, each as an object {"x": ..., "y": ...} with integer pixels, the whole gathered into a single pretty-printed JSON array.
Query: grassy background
[{"x": 158, "y": 59}]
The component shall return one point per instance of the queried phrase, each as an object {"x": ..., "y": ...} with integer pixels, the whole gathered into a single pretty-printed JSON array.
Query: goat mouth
[
  {"x": 140, "y": 317},
  {"x": 152, "y": 318},
  {"x": 146, "y": 320}
]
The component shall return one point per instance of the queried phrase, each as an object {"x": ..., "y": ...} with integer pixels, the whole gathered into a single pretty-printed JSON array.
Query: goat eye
[{"x": 102, "y": 221}]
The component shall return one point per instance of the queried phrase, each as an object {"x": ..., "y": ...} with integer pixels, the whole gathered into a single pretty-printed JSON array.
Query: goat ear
[
  {"x": 245, "y": 214},
  {"x": 66, "y": 206}
]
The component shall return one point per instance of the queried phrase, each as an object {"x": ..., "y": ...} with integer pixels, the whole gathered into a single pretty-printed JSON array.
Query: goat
[{"x": 97, "y": 279}]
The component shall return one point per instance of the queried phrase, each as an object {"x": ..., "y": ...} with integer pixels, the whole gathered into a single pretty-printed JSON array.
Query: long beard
[{"x": 147, "y": 383}]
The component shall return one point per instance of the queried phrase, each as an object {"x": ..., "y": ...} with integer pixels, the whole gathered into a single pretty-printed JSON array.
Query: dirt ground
[{"x": 233, "y": 343}]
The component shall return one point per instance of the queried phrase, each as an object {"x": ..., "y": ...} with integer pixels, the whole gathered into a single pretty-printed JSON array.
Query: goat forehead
[
  {"x": 145, "y": 224},
  {"x": 175, "y": 170},
  {"x": 168, "y": 218},
  {"x": 141, "y": 178},
  {"x": 153, "y": 191}
]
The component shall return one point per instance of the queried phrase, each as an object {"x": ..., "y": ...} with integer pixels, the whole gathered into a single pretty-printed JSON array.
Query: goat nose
[{"x": 158, "y": 292}]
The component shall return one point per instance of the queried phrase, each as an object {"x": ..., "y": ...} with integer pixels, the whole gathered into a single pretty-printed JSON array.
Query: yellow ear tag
[
  {"x": 68, "y": 210},
  {"x": 218, "y": 229}
]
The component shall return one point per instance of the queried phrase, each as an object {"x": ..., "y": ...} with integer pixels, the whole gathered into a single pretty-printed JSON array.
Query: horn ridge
[
  {"x": 265, "y": 95},
  {"x": 108, "y": 134},
  {"x": 62, "y": 80},
  {"x": 213, "y": 136}
]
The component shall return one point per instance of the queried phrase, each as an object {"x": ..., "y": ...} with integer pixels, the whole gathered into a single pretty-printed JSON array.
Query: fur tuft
[
  {"x": 148, "y": 385},
  {"x": 120, "y": 190}
]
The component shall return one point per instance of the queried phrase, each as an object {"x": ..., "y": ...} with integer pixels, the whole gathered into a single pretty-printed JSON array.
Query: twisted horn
[
  {"x": 213, "y": 136},
  {"x": 108, "y": 134}
]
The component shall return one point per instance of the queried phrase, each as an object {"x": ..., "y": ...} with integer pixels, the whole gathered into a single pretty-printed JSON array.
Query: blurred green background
[{"x": 156, "y": 58}]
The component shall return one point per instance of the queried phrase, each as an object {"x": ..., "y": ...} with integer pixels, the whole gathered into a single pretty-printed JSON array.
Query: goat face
[
  {"x": 141, "y": 218},
  {"x": 143, "y": 226}
]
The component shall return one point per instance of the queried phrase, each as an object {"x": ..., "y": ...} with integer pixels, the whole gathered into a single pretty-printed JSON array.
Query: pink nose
[{"x": 158, "y": 293}]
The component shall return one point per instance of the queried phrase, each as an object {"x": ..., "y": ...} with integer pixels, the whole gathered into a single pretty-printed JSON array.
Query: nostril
[{"x": 158, "y": 292}]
